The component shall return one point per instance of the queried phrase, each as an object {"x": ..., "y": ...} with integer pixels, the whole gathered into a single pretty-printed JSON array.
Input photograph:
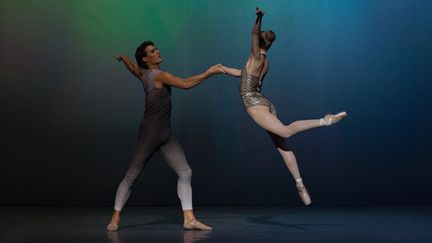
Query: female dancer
[{"x": 262, "y": 110}]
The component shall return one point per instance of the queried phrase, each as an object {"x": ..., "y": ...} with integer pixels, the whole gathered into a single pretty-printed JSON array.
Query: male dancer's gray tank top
[{"x": 157, "y": 101}]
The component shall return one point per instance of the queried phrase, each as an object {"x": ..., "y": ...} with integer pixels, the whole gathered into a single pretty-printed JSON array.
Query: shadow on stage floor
[{"x": 230, "y": 224}]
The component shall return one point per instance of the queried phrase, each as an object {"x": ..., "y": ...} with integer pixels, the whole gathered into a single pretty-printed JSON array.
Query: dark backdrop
[{"x": 70, "y": 112}]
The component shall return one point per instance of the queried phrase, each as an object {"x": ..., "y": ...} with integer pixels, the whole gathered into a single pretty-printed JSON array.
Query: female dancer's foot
[
  {"x": 303, "y": 193},
  {"x": 115, "y": 220},
  {"x": 331, "y": 119},
  {"x": 194, "y": 224}
]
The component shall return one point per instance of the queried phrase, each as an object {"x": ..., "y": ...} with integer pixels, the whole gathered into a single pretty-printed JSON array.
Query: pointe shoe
[
  {"x": 195, "y": 225},
  {"x": 331, "y": 119},
  {"x": 303, "y": 193},
  {"x": 112, "y": 227}
]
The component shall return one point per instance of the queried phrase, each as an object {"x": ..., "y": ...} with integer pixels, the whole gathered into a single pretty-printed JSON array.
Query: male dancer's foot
[
  {"x": 194, "y": 224},
  {"x": 331, "y": 119},
  {"x": 115, "y": 220},
  {"x": 303, "y": 193},
  {"x": 191, "y": 223}
]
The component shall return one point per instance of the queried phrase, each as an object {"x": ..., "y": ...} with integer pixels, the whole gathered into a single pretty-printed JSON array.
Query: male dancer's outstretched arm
[
  {"x": 130, "y": 65},
  {"x": 165, "y": 78},
  {"x": 169, "y": 79}
]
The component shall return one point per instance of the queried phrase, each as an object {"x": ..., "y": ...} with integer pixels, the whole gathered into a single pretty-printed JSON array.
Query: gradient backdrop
[{"x": 70, "y": 112}]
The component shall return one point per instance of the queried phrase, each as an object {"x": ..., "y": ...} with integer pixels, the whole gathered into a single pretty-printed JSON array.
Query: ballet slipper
[
  {"x": 196, "y": 225},
  {"x": 112, "y": 227}
]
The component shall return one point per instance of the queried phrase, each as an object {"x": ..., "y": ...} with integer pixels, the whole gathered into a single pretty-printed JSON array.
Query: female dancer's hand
[
  {"x": 259, "y": 12},
  {"x": 215, "y": 69}
]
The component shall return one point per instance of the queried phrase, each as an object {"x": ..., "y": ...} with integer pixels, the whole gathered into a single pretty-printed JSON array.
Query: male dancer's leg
[
  {"x": 144, "y": 150},
  {"x": 149, "y": 142},
  {"x": 172, "y": 153}
]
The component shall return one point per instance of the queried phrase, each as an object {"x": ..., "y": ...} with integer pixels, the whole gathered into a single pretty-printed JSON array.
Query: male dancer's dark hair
[{"x": 140, "y": 53}]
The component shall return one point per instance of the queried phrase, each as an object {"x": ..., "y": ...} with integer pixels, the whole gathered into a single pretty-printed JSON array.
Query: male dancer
[{"x": 155, "y": 134}]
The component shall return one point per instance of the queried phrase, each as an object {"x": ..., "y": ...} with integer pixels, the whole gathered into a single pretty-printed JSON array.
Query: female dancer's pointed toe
[{"x": 304, "y": 195}]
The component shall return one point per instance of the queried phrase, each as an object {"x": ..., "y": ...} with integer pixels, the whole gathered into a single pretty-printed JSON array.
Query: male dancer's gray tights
[{"x": 152, "y": 139}]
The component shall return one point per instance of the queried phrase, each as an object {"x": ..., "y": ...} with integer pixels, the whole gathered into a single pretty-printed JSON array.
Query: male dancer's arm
[
  {"x": 256, "y": 29},
  {"x": 186, "y": 83},
  {"x": 130, "y": 65}
]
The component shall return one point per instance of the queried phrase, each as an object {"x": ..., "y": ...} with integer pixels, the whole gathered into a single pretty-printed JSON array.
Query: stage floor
[{"x": 230, "y": 224}]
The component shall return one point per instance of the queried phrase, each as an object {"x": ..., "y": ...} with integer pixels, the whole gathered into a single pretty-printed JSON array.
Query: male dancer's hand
[
  {"x": 215, "y": 69},
  {"x": 119, "y": 57},
  {"x": 130, "y": 65}
]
